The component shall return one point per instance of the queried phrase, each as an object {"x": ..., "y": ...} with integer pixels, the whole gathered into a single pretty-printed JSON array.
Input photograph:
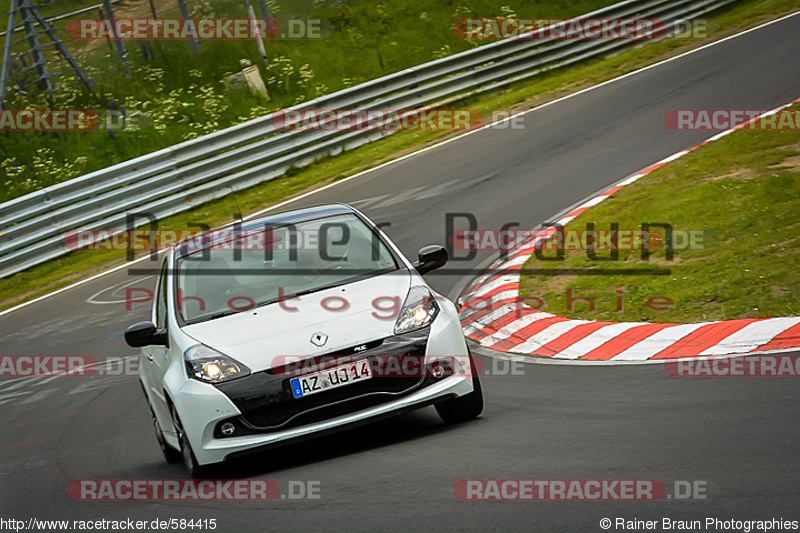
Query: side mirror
[
  {"x": 430, "y": 258},
  {"x": 145, "y": 334}
]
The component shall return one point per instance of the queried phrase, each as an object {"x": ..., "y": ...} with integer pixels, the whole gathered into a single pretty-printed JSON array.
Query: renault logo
[{"x": 319, "y": 339}]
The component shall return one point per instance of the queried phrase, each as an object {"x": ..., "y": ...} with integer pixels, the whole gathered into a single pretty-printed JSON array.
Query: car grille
[{"x": 266, "y": 401}]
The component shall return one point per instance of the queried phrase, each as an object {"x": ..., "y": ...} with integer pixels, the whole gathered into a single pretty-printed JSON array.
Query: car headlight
[
  {"x": 418, "y": 311},
  {"x": 206, "y": 364}
]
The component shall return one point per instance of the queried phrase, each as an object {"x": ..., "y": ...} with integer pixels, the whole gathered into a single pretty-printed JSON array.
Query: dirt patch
[
  {"x": 740, "y": 174},
  {"x": 779, "y": 292},
  {"x": 792, "y": 164},
  {"x": 791, "y": 147},
  {"x": 781, "y": 245},
  {"x": 558, "y": 284}
]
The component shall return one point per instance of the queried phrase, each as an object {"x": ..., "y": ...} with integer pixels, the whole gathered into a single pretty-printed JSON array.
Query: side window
[{"x": 161, "y": 298}]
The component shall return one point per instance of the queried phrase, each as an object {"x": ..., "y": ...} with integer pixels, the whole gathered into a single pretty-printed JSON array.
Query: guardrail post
[
  {"x": 264, "y": 9},
  {"x": 185, "y": 14},
  {"x": 32, "y": 35},
  {"x": 117, "y": 42},
  {"x": 12, "y": 23},
  {"x": 61, "y": 48}
]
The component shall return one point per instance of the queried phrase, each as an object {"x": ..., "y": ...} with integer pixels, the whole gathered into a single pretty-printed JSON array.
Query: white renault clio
[{"x": 302, "y": 323}]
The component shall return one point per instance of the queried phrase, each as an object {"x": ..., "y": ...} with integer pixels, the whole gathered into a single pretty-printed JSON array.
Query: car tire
[
  {"x": 465, "y": 407},
  {"x": 193, "y": 468},
  {"x": 171, "y": 455}
]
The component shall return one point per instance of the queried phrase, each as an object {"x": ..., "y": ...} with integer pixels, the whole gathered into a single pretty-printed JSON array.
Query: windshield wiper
[
  {"x": 219, "y": 314},
  {"x": 304, "y": 292}
]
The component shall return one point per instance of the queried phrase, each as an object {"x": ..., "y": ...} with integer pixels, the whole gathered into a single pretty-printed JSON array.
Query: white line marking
[
  {"x": 658, "y": 341},
  {"x": 596, "y": 339},
  {"x": 486, "y": 288},
  {"x": 493, "y": 315},
  {"x": 41, "y": 395},
  {"x": 548, "y": 334},
  {"x": 752, "y": 336},
  {"x": 505, "y": 332},
  {"x": 125, "y": 284}
]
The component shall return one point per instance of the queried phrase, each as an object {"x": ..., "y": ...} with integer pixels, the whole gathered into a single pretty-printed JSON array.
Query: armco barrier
[{"x": 184, "y": 176}]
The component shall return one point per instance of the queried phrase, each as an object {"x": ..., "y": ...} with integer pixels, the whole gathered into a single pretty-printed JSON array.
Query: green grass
[
  {"x": 58, "y": 273},
  {"x": 743, "y": 193},
  {"x": 184, "y": 96}
]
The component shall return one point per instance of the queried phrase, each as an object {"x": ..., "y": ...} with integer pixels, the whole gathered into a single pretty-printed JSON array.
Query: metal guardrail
[{"x": 185, "y": 175}]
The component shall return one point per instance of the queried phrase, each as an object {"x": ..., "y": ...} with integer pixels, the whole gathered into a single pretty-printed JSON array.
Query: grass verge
[
  {"x": 742, "y": 192},
  {"x": 61, "y": 272}
]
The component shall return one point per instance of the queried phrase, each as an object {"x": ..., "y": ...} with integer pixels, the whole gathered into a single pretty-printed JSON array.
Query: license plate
[{"x": 332, "y": 378}]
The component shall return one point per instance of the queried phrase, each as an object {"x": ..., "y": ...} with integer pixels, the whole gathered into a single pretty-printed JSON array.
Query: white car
[{"x": 295, "y": 325}]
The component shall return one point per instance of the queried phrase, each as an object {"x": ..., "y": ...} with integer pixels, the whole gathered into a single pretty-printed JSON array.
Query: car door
[{"x": 158, "y": 356}]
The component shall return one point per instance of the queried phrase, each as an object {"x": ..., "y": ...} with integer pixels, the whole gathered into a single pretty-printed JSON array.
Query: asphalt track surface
[{"x": 549, "y": 422}]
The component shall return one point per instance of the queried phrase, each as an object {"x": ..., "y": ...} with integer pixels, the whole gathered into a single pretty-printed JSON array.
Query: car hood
[{"x": 257, "y": 337}]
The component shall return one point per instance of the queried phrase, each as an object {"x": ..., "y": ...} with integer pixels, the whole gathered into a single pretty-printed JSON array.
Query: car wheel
[
  {"x": 170, "y": 454},
  {"x": 190, "y": 463},
  {"x": 465, "y": 407}
]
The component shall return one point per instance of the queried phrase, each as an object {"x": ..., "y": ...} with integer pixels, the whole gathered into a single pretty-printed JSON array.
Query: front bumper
[
  {"x": 212, "y": 450},
  {"x": 203, "y": 407},
  {"x": 444, "y": 390}
]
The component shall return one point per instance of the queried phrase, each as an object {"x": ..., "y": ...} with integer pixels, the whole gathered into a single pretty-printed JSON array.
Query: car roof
[
  {"x": 278, "y": 219},
  {"x": 300, "y": 215}
]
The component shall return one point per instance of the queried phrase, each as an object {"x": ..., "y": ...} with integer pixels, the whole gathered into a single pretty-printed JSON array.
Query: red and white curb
[{"x": 493, "y": 314}]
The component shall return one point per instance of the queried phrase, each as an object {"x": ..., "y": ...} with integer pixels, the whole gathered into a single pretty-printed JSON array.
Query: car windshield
[{"x": 262, "y": 265}]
